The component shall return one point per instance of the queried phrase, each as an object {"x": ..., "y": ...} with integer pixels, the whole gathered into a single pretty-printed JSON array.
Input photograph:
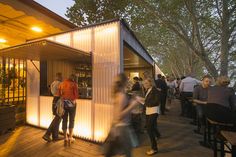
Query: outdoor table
[{"x": 231, "y": 138}]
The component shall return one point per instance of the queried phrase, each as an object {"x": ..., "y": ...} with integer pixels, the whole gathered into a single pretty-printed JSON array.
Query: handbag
[
  {"x": 60, "y": 108},
  {"x": 68, "y": 104}
]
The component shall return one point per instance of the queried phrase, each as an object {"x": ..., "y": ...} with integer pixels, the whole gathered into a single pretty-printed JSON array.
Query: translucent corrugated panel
[
  {"x": 106, "y": 65},
  {"x": 64, "y": 39},
  {"x": 82, "y": 40},
  {"x": 45, "y": 108},
  {"x": 32, "y": 108},
  {"x": 83, "y": 119}
]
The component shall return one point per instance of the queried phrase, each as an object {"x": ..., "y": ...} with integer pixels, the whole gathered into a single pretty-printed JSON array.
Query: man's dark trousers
[
  {"x": 54, "y": 126},
  {"x": 163, "y": 102}
]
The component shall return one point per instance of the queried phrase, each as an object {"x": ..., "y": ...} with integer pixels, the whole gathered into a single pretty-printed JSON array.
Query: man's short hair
[
  {"x": 159, "y": 76},
  {"x": 58, "y": 75},
  {"x": 206, "y": 76}
]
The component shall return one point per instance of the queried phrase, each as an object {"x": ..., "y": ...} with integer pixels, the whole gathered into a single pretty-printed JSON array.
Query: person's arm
[
  {"x": 120, "y": 99},
  {"x": 133, "y": 103},
  {"x": 75, "y": 91},
  {"x": 199, "y": 101},
  {"x": 141, "y": 100},
  {"x": 196, "y": 93}
]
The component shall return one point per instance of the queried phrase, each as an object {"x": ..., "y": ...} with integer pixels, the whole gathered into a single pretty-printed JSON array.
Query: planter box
[{"x": 7, "y": 118}]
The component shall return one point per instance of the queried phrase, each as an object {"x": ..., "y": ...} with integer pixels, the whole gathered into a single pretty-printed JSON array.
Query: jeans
[
  {"x": 186, "y": 105},
  {"x": 69, "y": 112},
  {"x": 200, "y": 116},
  {"x": 54, "y": 126},
  {"x": 151, "y": 121}
]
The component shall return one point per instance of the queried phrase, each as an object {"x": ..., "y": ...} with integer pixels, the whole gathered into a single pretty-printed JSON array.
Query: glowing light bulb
[
  {"x": 36, "y": 29},
  {"x": 3, "y": 40}
]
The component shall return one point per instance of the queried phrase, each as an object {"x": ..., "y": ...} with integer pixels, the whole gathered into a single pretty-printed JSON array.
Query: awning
[{"x": 44, "y": 50}]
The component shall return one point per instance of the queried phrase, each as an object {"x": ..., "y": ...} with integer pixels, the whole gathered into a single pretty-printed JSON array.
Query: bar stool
[{"x": 214, "y": 129}]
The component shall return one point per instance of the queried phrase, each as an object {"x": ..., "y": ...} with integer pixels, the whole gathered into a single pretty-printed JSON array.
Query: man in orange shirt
[{"x": 68, "y": 91}]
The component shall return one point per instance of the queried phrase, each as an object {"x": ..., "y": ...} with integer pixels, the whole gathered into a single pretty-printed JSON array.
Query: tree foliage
[{"x": 199, "y": 34}]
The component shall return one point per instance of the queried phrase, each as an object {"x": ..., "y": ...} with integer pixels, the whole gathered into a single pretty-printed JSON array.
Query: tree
[{"x": 206, "y": 29}]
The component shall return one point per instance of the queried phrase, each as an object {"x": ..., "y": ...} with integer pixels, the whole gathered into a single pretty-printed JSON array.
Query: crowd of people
[
  {"x": 139, "y": 102},
  {"x": 148, "y": 98}
]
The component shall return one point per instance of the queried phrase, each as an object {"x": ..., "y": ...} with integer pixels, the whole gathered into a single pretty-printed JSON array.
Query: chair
[{"x": 215, "y": 124}]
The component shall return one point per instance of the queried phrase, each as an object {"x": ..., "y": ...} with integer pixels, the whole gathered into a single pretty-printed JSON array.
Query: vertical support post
[
  {"x": 92, "y": 103},
  {"x": 120, "y": 36}
]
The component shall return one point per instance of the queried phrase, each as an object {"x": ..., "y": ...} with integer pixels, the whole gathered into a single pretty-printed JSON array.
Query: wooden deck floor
[{"x": 178, "y": 140}]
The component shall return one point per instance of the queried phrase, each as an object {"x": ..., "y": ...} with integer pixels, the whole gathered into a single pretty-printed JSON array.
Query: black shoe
[{"x": 47, "y": 138}]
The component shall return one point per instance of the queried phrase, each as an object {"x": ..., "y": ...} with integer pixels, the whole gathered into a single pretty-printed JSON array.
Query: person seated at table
[
  {"x": 200, "y": 98},
  {"x": 221, "y": 102}
]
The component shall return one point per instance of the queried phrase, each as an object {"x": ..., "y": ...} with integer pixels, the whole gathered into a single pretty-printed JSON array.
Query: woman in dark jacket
[{"x": 151, "y": 102}]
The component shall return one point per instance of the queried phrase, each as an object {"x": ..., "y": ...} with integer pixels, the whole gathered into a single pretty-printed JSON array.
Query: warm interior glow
[
  {"x": 100, "y": 135},
  {"x": 3, "y": 40},
  {"x": 36, "y": 29}
]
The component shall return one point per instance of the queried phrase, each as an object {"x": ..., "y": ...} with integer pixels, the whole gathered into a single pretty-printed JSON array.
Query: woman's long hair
[{"x": 120, "y": 83}]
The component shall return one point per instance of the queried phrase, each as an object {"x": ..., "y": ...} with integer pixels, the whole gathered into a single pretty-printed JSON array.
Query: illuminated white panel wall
[
  {"x": 83, "y": 125},
  {"x": 32, "y": 109},
  {"x": 106, "y": 65},
  {"x": 83, "y": 119},
  {"x": 82, "y": 40},
  {"x": 45, "y": 108},
  {"x": 64, "y": 39}
]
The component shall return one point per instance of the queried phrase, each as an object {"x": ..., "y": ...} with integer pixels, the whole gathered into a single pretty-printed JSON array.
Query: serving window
[{"x": 83, "y": 71}]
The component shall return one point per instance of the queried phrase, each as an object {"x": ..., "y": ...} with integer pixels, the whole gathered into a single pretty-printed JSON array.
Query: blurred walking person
[
  {"x": 68, "y": 91},
  {"x": 53, "y": 129},
  {"x": 119, "y": 140}
]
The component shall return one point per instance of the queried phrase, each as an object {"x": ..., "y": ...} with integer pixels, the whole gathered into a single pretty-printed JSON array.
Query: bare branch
[{"x": 218, "y": 9}]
